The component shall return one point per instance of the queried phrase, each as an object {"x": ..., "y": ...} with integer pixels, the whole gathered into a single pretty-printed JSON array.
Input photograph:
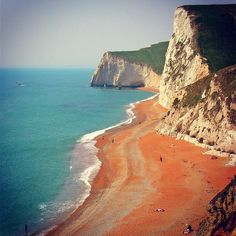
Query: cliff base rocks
[{"x": 221, "y": 218}]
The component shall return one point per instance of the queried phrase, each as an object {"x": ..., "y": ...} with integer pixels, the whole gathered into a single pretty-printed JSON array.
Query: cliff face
[
  {"x": 198, "y": 92},
  {"x": 117, "y": 71},
  {"x": 203, "y": 41},
  {"x": 184, "y": 63},
  {"x": 131, "y": 68},
  {"x": 205, "y": 112},
  {"x": 221, "y": 218}
]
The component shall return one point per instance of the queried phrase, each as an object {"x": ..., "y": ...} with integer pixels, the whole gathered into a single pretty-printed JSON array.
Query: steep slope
[
  {"x": 205, "y": 112},
  {"x": 203, "y": 42},
  {"x": 221, "y": 219},
  {"x": 131, "y": 68}
]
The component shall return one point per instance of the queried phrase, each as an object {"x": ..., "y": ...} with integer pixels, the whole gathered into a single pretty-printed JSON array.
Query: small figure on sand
[
  {"x": 113, "y": 140},
  {"x": 160, "y": 210},
  {"x": 188, "y": 229},
  {"x": 26, "y": 230},
  {"x": 161, "y": 159}
]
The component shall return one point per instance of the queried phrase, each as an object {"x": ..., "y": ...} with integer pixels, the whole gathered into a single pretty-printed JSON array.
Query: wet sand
[{"x": 133, "y": 182}]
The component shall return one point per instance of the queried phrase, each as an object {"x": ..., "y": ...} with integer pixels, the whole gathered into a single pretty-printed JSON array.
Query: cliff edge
[
  {"x": 131, "y": 68},
  {"x": 203, "y": 42}
]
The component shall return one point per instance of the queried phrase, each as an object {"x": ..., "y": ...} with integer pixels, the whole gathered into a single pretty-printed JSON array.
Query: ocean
[{"x": 48, "y": 120}]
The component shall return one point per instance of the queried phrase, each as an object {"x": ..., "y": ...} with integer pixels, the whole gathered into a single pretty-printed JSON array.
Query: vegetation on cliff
[
  {"x": 216, "y": 27},
  {"x": 206, "y": 111},
  {"x": 224, "y": 79},
  {"x": 154, "y": 56},
  {"x": 202, "y": 105}
]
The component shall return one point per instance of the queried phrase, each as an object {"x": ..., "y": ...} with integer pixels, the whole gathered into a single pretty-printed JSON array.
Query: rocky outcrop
[
  {"x": 115, "y": 71},
  {"x": 221, "y": 217},
  {"x": 203, "y": 42},
  {"x": 205, "y": 112},
  {"x": 131, "y": 68}
]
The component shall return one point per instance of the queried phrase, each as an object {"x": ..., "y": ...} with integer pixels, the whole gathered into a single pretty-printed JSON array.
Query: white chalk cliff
[
  {"x": 116, "y": 71},
  {"x": 199, "y": 109},
  {"x": 204, "y": 113},
  {"x": 184, "y": 64},
  {"x": 199, "y": 91}
]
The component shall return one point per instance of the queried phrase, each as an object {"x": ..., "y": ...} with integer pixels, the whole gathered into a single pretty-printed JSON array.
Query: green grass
[
  {"x": 154, "y": 56},
  {"x": 195, "y": 90},
  {"x": 217, "y": 33},
  {"x": 229, "y": 84},
  {"x": 226, "y": 80}
]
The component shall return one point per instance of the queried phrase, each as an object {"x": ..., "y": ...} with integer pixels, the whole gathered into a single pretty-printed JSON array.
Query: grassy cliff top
[
  {"x": 154, "y": 56},
  {"x": 216, "y": 38}
]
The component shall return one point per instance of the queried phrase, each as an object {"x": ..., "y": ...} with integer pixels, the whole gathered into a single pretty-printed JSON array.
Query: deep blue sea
[{"x": 44, "y": 168}]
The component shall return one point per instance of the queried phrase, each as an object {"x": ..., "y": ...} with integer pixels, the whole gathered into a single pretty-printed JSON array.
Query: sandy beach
[{"x": 142, "y": 171}]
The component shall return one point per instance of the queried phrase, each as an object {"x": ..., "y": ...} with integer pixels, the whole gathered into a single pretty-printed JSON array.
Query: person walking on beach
[{"x": 161, "y": 159}]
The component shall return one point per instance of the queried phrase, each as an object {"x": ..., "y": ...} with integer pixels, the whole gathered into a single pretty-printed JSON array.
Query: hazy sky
[{"x": 75, "y": 33}]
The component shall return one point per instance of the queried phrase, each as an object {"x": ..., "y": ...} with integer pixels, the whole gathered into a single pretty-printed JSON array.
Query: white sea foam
[
  {"x": 42, "y": 206},
  {"x": 86, "y": 174},
  {"x": 88, "y": 141},
  {"x": 86, "y": 147},
  {"x": 131, "y": 116},
  {"x": 147, "y": 99}
]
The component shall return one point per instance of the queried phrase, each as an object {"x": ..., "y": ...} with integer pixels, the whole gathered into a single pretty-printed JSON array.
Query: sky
[{"x": 76, "y": 33}]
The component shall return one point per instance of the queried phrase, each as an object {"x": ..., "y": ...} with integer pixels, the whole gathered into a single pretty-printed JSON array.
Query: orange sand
[{"x": 132, "y": 182}]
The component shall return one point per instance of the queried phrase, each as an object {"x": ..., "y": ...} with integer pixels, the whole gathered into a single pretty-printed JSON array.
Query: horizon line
[{"x": 48, "y": 68}]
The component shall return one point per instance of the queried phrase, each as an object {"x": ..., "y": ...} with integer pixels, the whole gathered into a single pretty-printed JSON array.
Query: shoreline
[
  {"x": 88, "y": 144},
  {"x": 89, "y": 141},
  {"x": 123, "y": 177}
]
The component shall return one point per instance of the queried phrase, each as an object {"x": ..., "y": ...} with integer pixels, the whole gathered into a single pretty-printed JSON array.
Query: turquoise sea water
[{"x": 43, "y": 115}]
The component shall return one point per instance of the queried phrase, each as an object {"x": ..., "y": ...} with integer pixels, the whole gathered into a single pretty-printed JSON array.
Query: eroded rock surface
[
  {"x": 184, "y": 63},
  {"x": 132, "y": 68},
  {"x": 203, "y": 42},
  {"x": 115, "y": 71},
  {"x": 221, "y": 218},
  {"x": 204, "y": 112}
]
